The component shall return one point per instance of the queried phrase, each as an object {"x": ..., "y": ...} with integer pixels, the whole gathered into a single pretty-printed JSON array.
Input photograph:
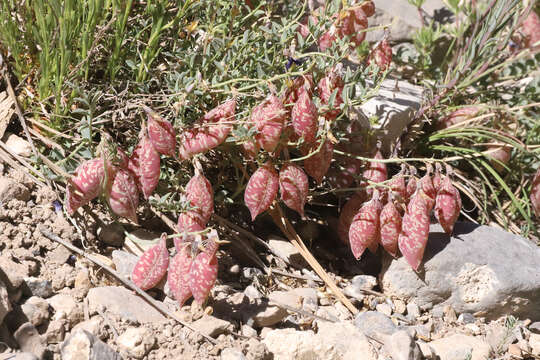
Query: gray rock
[
  {"x": 460, "y": 346},
  {"x": 11, "y": 189},
  {"x": 384, "y": 308},
  {"x": 251, "y": 273},
  {"x": 37, "y": 287},
  {"x": 19, "y": 356},
  {"x": 268, "y": 315},
  {"x": 29, "y": 340},
  {"x": 374, "y": 324},
  {"x": 466, "y": 318},
  {"x": 534, "y": 343},
  {"x": 252, "y": 292},
  {"x": 112, "y": 234},
  {"x": 93, "y": 326},
  {"x": 482, "y": 270},
  {"x": 82, "y": 345},
  {"x": 122, "y": 302},
  {"x": 394, "y": 106},
  {"x": 65, "y": 307},
  {"x": 332, "y": 342},
  {"x": 212, "y": 326},
  {"x": 248, "y": 331},
  {"x": 285, "y": 250},
  {"x": 5, "y": 304},
  {"x": 364, "y": 282},
  {"x": 534, "y": 327},
  {"x": 309, "y": 297},
  {"x": 232, "y": 354},
  {"x": 15, "y": 272},
  {"x": 124, "y": 262},
  {"x": 36, "y": 310},
  {"x": 235, "y": 269},
  {"x": 136, "y": 342},
  {"x": 55, "y": 332},
  {"x": 401, "y": 346},
  {"x": 288, "y": 298}
]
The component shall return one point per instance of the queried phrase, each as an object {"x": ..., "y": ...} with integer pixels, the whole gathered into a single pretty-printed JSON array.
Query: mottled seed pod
[
  {"x": 298, "y": 86},
  {"x": 152, "y": 265},
  {"x": 213, "y": 131},
  {"x": 178, "y": 275},
  {"x": 429, "y": 189},
  {"x": 368, "y": 7},
  {"x": 304, "y": 118},
  {"x": 328, "y": 85},
  {"x": 202, "y": 276},
  {"x": 412, "y": 184},
  {"x": 200, "y": 195},
  {"x": 365, "y": 227},
  {"x": 191, "y": 221},
  {"x": 535, "y": 193},
  {"x": 261, "y": 190},
  {"x": 86, "y": 184},
  {"x": 437, "y": 177},
  {"x": 318, "y": 163},
  {"x": 294, "y": 187},
  {"x": 499, "y": 155},
  {"x": 414, "y": 234},
  {"x": 390, "y": 222},
  {"x": 398, "y": 187},
  {"x": 458, "y": 116},
  {"x": 161, "y": 133},
  {"x": 448, "y": 205},
  {"x": 381, "y": 55},
  {"x": 145, "y": 165},
  {"x": 376, "y": 171},
  {"x": 124, "y": 196},
  {"x": 349, "y": 210},
  {"x": 269, "y": 119}
]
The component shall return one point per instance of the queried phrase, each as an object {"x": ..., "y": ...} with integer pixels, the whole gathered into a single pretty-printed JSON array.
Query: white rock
[
  {"x": 36, "y": 310},
  {"x": 401, "y": 346},
  {"x": 93, "y": 326},
  {"x": 17, "y": 145},
  {"x": 29, "y": 340},
  {"x": 384, "y": 308},
  {"x": 136, "y": 342},
  {"x": 269, "y": 315},
  {"x": 212, "y": 326},
  {"x": 82, "y": 345},
  {"x": 232, "y": 354},
  {"x": 534, "y": 343},
  {"x": 288, "y": 298},
  {"x": 66, "y": 307},
  {"x": 413, "y": 311},
  {"x": 55, "y": 331},
  {"x": 460, "y": 346},
  {"x": 394, "y": 106},
  {"x": 285, "y": 249},
  {"x": 11, "y": 189},
  {"x": 332, "y": 342},
  {"x": 124, "y": 262}
]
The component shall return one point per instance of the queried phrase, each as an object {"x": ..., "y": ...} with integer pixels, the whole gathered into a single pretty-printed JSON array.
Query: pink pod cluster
[
  {"x": 349, "y": 210},
  {"x": 294, "y": 187},
  {"x": 145, "y": 163},
  {"x": 124, "y": 195},
  {"x": 328, "y": 85},
  {"x": 213, "y": 130},
  {"x": 152, "y": 265},
  {"x": 376, "y": 171},
  {"x": 304, "y": 117},
  {"x": 390, "y": 227},
  {"x": 261, "y": 190},
  {"x": 200, "y": 196},
  {"x": 381, "y": 55}
]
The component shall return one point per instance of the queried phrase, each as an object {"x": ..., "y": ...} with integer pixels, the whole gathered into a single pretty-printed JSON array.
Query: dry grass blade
[{"x": 160, "y": 307}]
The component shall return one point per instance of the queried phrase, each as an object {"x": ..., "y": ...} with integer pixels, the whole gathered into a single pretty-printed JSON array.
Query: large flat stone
[
  {"x": 122, "y": 302},
  {"x": 480, "y": 269}
]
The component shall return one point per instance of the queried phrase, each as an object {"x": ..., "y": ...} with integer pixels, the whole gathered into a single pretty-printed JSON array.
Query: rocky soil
[{"x": 477, "y": 297}]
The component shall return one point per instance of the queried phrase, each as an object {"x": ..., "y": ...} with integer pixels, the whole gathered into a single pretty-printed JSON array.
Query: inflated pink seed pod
[
  {"x": 318, "y": 163},
  {"x": 381, "y": 55},
  {"x": 152, "y": 265},
  {"x": 390, "y": 222},
  {"x": 145, "y": 165},
  {"x": 124, "y": 196},
  {"x": 294, "y": 187},
  {"x": 178, "y": 275},
  {"x": 414, "y": 234},
  {"x": 437, "y": 177},
  {"x": 368, "y": 7},
  {"x": 191, "y": 221},
  {"x": 458, "y": 116},
  {"x": 347, "y": 213},
  {"x": 376, "y": 171},
  {"x": 398, "y": 186},
  {"x": 200, "y": 195},
  {"x": 202, "y": 276},
  {"x": 269, "y": 119},
  {"x": 365, "y": 227},
  {"x": 360, "y": 24},
  {"x": 427, "y": 186},
  {"x": 122, "y": 159},
  {"x": 535, "y": 193},
  {"x": 329, "y": 84},
  {"x": 299, "y": 85},
  {"x": 304, "y": 118},
  {"x": 86, "y": 184},
  {"x": 212, "y": 132},
  {"x": 412, "y": 183},
  {"x": 448, "y": 205},
  {"x": 161, "y": 133},
  {"x": 261, "y": 190}
]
